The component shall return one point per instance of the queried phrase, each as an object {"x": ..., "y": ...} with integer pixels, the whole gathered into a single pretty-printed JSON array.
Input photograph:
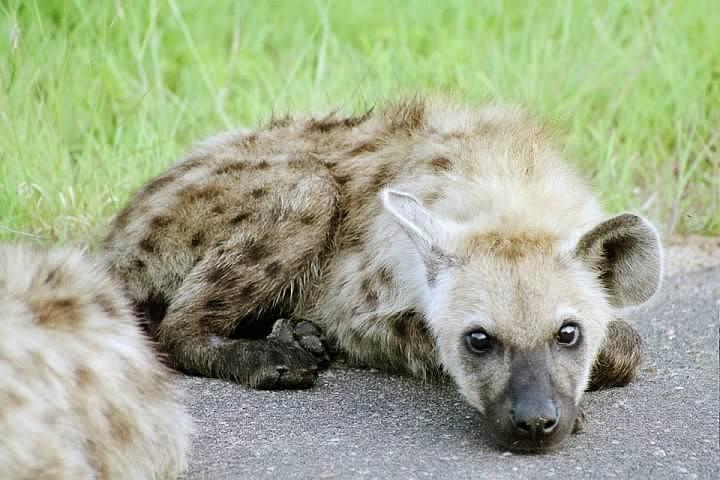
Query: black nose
[{"x": 535, "y": 418}]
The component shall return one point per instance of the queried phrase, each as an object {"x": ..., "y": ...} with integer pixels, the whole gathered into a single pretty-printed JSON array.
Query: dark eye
[
  {"x": 478, "y": 341},
  {"x": 568, "y": 335}
]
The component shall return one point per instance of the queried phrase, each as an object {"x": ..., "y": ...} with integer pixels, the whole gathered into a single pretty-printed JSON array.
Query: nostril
[
  {"x": 524, "y": 426},
  {"x": 550, "y": 425},
  {"x": 519, "y": 423}
]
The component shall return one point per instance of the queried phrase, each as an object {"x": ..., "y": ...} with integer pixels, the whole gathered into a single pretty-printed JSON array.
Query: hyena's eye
[
  {"x": 568, "y": 335},
  {"x": 478, "y": 341}
]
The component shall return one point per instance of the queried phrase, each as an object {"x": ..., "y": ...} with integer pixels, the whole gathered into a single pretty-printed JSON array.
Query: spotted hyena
[
  {"x": 423, "y": 236},
  {"x": 82, "y": 395}
]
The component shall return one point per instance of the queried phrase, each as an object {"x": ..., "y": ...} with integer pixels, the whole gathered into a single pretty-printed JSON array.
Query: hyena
[
  {"x": 424, "y": 236},
  {"x": 82, "y": 394}
]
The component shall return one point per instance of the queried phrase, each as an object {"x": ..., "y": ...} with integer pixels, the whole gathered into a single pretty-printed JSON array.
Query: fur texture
[
  {"x": 82, "y": 394},
  {"x": 399, "y": 232}
]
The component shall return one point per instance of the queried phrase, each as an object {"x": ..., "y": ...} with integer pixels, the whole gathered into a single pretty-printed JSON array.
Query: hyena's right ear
[
  {"x": 625, "y": 252},
  {"x": 425, "y": 231}
]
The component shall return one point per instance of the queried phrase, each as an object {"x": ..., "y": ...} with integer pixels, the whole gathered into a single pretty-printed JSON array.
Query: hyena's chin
[{"x": 534, "y": 433}]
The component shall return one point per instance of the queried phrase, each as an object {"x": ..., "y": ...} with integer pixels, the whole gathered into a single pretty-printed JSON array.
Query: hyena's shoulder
[{"x": 82, "y": 394}]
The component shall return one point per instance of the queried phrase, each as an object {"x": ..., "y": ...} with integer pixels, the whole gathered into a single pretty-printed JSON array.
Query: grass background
[{"x": 98, "y": 96}]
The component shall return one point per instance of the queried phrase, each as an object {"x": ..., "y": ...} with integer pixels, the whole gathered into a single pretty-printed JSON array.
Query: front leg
[{"x": 619, "y": 358}]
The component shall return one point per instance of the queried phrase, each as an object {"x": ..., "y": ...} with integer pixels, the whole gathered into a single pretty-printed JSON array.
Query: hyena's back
[{"x": 81, "y": 393}]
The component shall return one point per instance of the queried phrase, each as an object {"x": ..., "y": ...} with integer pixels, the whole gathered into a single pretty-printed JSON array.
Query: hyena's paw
[
  {"x": 303, "y": 334},
  {"x": 288, "y": 367},
  {"x": 619, "y": 357}
]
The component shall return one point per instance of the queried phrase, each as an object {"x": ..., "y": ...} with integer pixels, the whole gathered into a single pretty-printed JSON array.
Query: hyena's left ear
[
  {"x": 625, "y": 251},
  {"x": 426, "y": 232}
]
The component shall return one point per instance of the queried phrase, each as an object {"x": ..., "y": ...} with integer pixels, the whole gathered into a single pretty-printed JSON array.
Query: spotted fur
[
  {"x": 82, "y": 394},
  {"x": 397, "y": 231}
]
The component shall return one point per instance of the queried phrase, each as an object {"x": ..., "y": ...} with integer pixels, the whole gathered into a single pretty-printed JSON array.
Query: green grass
[{"x": 98, "y": 96}]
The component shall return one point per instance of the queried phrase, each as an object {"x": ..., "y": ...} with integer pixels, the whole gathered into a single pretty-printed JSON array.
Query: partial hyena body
[
  {"x": 424, "y": 236},
  {"x": 82, "y": 395}
]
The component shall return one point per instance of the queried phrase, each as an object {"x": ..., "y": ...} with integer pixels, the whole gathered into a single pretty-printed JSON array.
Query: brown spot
[
  {"x": 137, "y": 264},
  {"x": 332, "y": 121},
  {"x": 157, "y": 184},
  {"x": 512, "y": 246},
  {"x": 302, "y": 161},
  {"x": 147, "y": 244},
  {"x": 381, "y": 178},
  {"x": 160, "y": 221},
  {"x": 263, "y": 165},
  {"x": 307, "y": 219},
  {"x": 215, "y": 304},
  {"x": 121, "y": 219},
  {"x": 273, "y": 268},
  {"x": 431, "y": 197},
  {"x": 385, "y": 275},
  {"x": 57, "y": 311},
  {"x": 230, "y": 168},
  {"x": 218, "y": 209},
  {"x": 407, "y": 116},
  {"x": 209, "y": 321},
  {"x": 365, "y": 147},
  {"x": 323, "y": 125},
  {"x": 197, "y": 239},
  {"x": 436, "y": 261},
  {"x": 107, "y": 304},
  {"x": 10, "y": 400},
  {"x": 255, "y": 249},
  {"x": 410, "y": 325},
  {"x": 191, "y": 163},
  {"x": 441, "y": 164},
  {"x": 85, "y": 377},
  {"x": 240, "y": 217},
  {"x": 258, "y": 192},
  {"x": 54, "y": 277},
  {"x": 248, "y": 290},
  {"x": 342, "y": 179},
  {"x": 194, "y": 193},
  {"x": 120, "y": 426},
  {"x": 371, "y": 296},
  {"x": 215, "y": 275},
  {"x": 352, "y": 240}
]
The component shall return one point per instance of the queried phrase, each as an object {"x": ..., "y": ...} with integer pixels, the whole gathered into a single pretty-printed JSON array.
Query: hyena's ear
[
  {"x": 425, "y": 231},
  {"x": 625, "y": 251}
]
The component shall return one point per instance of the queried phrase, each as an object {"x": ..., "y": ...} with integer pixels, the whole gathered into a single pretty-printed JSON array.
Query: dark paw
[
  {"x": 302, "y": 334},
  {"x": 270, "y": 364},
  {"x": 282, "y": 376},
  {"x": 618, "y": 359}
]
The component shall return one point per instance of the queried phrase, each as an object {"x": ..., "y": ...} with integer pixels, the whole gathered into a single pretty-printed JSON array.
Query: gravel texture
[{"x": 368, "y": 424}]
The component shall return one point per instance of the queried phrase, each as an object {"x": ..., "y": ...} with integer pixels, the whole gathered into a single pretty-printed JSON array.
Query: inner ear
[
  {"x": 427, "y": 233},
  {"x": 625, "y": 252},
  {"x": 416, "y": 221}
]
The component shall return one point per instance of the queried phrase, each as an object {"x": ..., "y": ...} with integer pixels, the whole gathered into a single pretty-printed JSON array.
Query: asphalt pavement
[{"x": 367, "y": 424}]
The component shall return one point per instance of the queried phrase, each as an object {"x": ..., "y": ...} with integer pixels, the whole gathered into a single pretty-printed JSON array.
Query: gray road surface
[{"x": 367, "y": 424}]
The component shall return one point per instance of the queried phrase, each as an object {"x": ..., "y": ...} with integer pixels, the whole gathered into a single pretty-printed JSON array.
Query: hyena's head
[{"x": 518, "y": 317}]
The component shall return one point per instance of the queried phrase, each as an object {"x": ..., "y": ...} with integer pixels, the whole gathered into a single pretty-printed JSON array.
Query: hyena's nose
[{"x": 535, "y": 418}]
